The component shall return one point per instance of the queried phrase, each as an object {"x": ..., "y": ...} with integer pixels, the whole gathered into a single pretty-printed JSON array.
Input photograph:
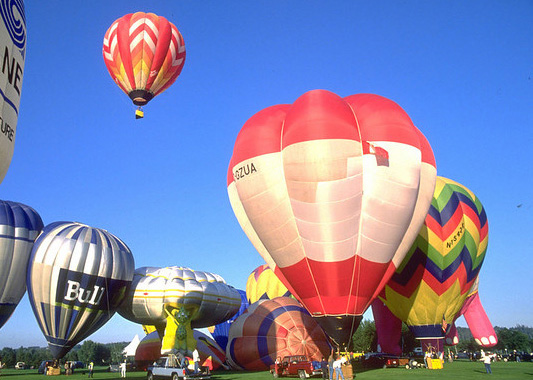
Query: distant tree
[
  {"x": 468, "y": 345},
  {"x": 116, "y": 350},
  {"x": 365, "y": 337},
  {"x": 94, "y": 352},
  {"x": 513, "y": 339},
  {"x": 8, "y": 357}
]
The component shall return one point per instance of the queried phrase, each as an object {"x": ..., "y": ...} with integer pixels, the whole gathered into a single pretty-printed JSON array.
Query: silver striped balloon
[
  {"x": 153, "y": 288},
  {"x": 77, "y": 277},
  {"x": 19, "y": 227}
]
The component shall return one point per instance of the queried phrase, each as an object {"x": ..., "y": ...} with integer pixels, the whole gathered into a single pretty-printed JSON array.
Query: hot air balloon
[
  {"x": 431, "y": 284},
  {"x": 13, "y": 42},
  {"x": 220, "y": 331},
  {"x": 77, "y": 277},
  {"x": 211, "y": 354},
  {"x": 332, "y": 192},
  {"x": 274, "y": 328},
  {"x": 19, "y": 227},
  {"x": 477, "y": 320},
  {"x": 388, "y": 329},
  {"x": 263, "y": 284},
  {"x": 177, "y": 299},
  {"x": 144, "y": 53}
]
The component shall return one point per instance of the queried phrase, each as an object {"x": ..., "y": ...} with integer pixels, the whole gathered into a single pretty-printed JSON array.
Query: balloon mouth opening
[
  {"x": 339, "y": 328},
  {"x": 140, "y": 97}
]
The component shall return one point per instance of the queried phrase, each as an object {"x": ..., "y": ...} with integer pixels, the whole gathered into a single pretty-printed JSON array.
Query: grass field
[{"x": 452, "y": 371}]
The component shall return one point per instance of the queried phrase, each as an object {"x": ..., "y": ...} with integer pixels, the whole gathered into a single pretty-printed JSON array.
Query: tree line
[
  {"x": 89, "y": 351},
  {"x": 519, "y": 338}
]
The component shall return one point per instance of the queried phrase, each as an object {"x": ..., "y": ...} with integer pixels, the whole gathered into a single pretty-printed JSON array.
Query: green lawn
[{"x": 456, "y": 370}]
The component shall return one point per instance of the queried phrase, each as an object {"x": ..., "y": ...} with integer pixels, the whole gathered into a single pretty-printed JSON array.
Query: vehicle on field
[
  {"x": 296, "y": 365},
  {"x": 382, "y": 360},
  {"x": 169, "y": 367},
  {"x": 20, "y": 365}
]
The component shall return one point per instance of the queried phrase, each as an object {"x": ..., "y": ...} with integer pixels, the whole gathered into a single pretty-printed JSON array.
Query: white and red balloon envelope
[{"x": 332, "y": 192}]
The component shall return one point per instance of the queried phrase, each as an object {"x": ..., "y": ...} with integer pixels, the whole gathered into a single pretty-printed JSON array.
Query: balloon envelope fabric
[
  {"x": 77, "y": 277},
  {"x": 149, "y": 350},
  {"x": 264, "y": 284},
  {"x": 331, "y": 192},
  {"x": 13, "y": 42},
  {"x": 274, "y": 328},
  {"x": 19, "y": 227},
  {"x": 431, "y": 285},
  {"x": 220, "y": 331},
  {"x": 153, "y": 288}
]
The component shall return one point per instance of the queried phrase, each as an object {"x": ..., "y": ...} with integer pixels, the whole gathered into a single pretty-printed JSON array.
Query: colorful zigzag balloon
[{"x": 430, "y": 286}]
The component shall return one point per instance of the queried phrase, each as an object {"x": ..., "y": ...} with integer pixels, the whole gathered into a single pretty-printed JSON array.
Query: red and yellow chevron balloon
[
  {"x": 264, "y": 284},
  {"x": 144, "y": 53},
  {"x": 433, "y": 281},
  {"x": 332, "y": 192}
]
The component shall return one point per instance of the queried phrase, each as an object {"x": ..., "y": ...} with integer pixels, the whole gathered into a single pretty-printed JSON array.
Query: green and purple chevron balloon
[{"x": 430, "y": 286}]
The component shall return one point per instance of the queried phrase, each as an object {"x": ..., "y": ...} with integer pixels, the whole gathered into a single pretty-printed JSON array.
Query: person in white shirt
[
  {"x": 337, "y": 367},
  {"x": 196, "y": 360},
  {"x": 123, "y": 369},
  {"x": 486, "y": 361}
]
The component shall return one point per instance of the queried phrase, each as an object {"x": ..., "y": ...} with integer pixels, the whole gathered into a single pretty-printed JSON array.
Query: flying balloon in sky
[
  {"x": 332, "y": 191},
  {"x": 19, "y": 227},
  {"x": 144, "y": 53},
  {"x": 431, "y": 284},
  {"x": 13, "y": 43},
  {"x": 77, "y": 277}
]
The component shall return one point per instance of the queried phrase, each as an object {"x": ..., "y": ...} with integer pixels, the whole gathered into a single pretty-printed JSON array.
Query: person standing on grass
[
  {"x": 330, "y": 365},
  {"x": 196, "y": 360},
  {"x": 324, "y": 368},
  {"x": 486, "y": 361},
  {"x": 90, "y": 368},
  {"x": 337, "y": 366},
  {"x": 123, "y": 369}
]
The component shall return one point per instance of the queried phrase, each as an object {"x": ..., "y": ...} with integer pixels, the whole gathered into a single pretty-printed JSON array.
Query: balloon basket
[
  {"x": 347, "y": 371},
  {"x": 139, "y": 113},
  {"x": 53, "y": 371}
]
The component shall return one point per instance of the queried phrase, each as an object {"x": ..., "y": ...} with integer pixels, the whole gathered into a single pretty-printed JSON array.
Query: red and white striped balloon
[{"x": 332, "y": 192}]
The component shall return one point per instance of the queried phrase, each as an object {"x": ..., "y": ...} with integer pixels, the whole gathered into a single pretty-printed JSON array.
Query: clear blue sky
[{"x": 463, "y": 71}]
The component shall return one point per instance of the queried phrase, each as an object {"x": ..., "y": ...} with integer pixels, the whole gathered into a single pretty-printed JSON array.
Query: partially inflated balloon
[
  {"x": 211, "y": 354},
  {"x": 19, "y": 227},
  {"x": 13, "y": 51},
  {"x": 177, "y": 299},
  {"x": 332, "y": 192},
  {"x": 431, "y": 285},
  {"x": 77, "y": 277},
  {"x": 264, "y": 284},
  {"x": 220, "y": 331},
  {"x": 144, "y": 53},
  {"x": 274, "y": 328},
  {"x": 388, "y": 329},
  {"x": 477, "y": 320}
]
